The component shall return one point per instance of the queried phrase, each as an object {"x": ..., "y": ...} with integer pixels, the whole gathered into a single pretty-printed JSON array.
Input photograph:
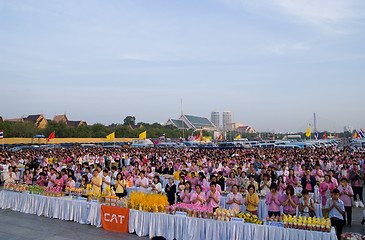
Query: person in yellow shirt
[
  {"x": 120, "y": 190},
  {"x": 96, "y": 182},
  {"x": 252, "y": 200}
]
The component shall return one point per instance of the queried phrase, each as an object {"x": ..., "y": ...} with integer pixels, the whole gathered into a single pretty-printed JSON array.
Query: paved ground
[{"x": 20, "y": 226}]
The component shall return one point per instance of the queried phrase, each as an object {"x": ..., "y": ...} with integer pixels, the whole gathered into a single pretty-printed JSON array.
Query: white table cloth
[
  {"x": 179, "y": 227},
  {"x": 263, "y": 209},
  {"x": 60, "y": 208}
]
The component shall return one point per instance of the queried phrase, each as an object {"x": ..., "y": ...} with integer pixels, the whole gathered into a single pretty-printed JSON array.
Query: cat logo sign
[{"x": 115, "y": 218}]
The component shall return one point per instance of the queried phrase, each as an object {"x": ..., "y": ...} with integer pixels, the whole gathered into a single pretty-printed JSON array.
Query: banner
[{"x": 115, "y": 218}]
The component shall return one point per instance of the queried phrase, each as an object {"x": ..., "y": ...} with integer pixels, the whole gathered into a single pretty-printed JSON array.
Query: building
[
  {"x": 64, "y": 118},
  {"x": 76, "y": 123},
  {"x": 245, "y": 129},
  {"x": 39, "y": 120},
  {"x": 234, "y": 126},
  {"x": 348, "y": 129},
  {"x": 215, "y": 118},
  {"x": 227, "y": 120},
  {"x": 60, "y": 118},
  {"x": 192, "y": 122},
  {"x": 1, "y": 119}
]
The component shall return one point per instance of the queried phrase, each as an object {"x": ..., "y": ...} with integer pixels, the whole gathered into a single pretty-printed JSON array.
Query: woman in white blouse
[{"x": 156, "y": 186}]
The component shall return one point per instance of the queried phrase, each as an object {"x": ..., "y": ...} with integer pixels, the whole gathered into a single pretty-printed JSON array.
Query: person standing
[
  {"x": 357, "y": 178},
  {"x": 273, "y": 200},
  {"x": 96, "y": 182},
  {"x": 346, "y": 193},
  {"x": 336, "y": 209},
  {"x": 170, "y": 190},
  {"x": 252, "y": 201}
]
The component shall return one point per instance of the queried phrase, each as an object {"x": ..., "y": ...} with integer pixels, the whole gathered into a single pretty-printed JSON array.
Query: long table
[
  {"x": 52, "y": 207},
  {"x": 181, "y": 228},
  {"x": 263, "y": 209}
]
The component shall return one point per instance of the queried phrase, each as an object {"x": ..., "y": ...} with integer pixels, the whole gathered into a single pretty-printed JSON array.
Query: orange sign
[
  {"x": 115, "y": 218},
  {"x": 128, "y": 184}
]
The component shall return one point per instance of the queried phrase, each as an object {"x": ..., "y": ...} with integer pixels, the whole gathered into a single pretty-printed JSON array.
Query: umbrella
[{"x": 39, "y": 136}]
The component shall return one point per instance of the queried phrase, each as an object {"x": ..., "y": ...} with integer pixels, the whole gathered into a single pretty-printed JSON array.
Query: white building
[
  {"x": 227, "y": 120},
  {"x": 348, "y": 129},
  {"x": 214, "y": 118}
]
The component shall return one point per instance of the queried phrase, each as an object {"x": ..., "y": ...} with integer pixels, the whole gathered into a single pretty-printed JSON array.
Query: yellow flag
[
  {"x": 238, "y": 137},
  {"x": 110, "y": 136},
  {"x": 283, "y": 138},
  {"x": 308, "y": 132},
  {"x": 143, "y": 135},
  {"x": 330, "y": 136}
]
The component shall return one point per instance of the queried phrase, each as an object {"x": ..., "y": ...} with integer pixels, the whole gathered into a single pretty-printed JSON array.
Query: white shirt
[
  {"x": 104, "y": 185},
  {"x": 112, "y": 179},
  {"x": 158, "y": 187}
]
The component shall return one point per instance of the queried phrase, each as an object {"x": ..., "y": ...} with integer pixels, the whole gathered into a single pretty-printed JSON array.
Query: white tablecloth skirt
[
  {"x": 263, "y": 209},
  {"x": 60, "y": 208},
  {"x": 179, "y": 227}
]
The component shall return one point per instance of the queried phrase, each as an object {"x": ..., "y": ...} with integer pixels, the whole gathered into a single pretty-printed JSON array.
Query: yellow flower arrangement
[{"x": 152, "y": 202}]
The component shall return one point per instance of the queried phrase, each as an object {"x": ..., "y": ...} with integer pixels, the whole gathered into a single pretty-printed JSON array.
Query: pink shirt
[
  {"x": 230, "y": 182},
  {"x": 345, "y": 198},
  {"x": 274, "y": 205},
  {"x": 218, "y": 188},
  {"x": 289, "y": 181},
  {"x": 71, "y": 184},
  {"x": 194, "y": 196},
  {"x": 59, "y": 182},
  {"x": 212, "y": 203},
  {"x": 238, "y": 197},
  {"x": 28, "y": 179},
  {"x": 320, "y": 173},
  {"x": 323, "y": 192},
  {"x": 186, "y": 197}
]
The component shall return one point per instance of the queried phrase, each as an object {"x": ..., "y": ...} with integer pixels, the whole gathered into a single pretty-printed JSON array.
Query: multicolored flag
[
  {"x": 162, "y": 136},
  {"x": 1, "y": 134},
  {"x": 316, "y": 135},
  {"x": 220, "y": 137},
  {"x": 361, "y": 134}
]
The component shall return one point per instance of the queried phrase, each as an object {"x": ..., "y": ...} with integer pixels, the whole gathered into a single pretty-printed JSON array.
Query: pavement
[{"x": 21, "y": 226}]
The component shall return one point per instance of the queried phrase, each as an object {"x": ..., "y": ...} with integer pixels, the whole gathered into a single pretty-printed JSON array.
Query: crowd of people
[{"x": 205, "y": 174}]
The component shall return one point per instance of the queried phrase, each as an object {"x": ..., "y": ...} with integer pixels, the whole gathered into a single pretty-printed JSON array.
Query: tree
[{"x": 130, "y": 120}]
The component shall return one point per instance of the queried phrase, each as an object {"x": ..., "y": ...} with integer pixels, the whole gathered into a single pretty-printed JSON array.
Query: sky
[{"x": 272, "y": 63}]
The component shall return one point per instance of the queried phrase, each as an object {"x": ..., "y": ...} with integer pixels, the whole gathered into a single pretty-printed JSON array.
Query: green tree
[{"x": 130, "y": 120}]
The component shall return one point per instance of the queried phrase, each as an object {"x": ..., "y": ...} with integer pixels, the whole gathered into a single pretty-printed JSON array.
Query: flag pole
[{"x": 53, "y": 140}]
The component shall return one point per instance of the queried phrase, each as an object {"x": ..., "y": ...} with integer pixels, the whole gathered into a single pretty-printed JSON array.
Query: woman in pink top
[
  {"x": 150, "y": 175},
  {"x": 346, "y": 193},
  {"x": 202, "y": 180},
  {"x": 186, "y": 194},
  {"x": 28, "y": 177},
  {"x": 235, "y": 199},
  {"x": 291, "y": 179},
  {"x": 198, "y": 198},
  {"x": 281, "y": 185},
  {"x": 273, "y": 200},
  {"x": 194, "y": 180},
  {"x": 325, "y": 189},
  {"x": 231, "y": 181},
  {"x": 58, "y": 180}
]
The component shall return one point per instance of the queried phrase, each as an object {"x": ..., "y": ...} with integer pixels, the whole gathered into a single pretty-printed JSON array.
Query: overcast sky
[{"x": 273, "y": 63}]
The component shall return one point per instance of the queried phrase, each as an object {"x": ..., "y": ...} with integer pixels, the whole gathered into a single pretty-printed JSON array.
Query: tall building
[
  {"x": 214, "y": 118},
  {"x": 227, "y": 120},
  {"x": 348, "y": 129}
]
